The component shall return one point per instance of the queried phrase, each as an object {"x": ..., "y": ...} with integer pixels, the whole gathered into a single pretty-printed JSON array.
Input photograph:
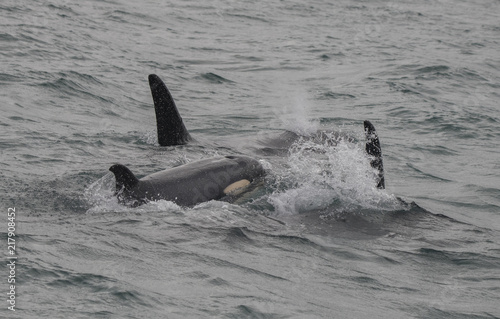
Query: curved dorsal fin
[
  {"x": 171, "y": 129},
  {"x": 124, "y": 177},
  {"x": 373, "y": 149}
]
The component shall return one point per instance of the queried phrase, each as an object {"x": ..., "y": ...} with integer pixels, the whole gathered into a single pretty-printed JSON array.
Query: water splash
[
  {"x": 318, "y": 176},
  {"x": 100, "y": 195}
]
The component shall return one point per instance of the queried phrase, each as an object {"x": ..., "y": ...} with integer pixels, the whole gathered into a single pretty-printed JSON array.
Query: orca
[
  {"x": 215, "y": 178},
  {"x": 190, "y": 184},
  {"x": 171, "y": 131}
]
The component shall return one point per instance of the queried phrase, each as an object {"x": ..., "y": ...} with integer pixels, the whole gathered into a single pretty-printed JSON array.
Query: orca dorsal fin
[
  {"x": 171, "y": 129},
  {"x": 373, "y": 148},
  {"x": 124, "y": 177}
]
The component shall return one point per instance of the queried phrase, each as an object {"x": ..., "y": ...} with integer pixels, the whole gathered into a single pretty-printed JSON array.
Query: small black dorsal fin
[
  {"x": 171, "y": 129},
  {"x": 373, "y": 149},
  {"x": 124, "y": 177}
]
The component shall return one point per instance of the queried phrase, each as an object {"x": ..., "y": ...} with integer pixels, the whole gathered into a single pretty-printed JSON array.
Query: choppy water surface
[{"x": 318, "y": 241}]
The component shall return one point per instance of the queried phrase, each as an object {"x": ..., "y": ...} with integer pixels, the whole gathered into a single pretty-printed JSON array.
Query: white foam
[{"x": 318, "y": 176}]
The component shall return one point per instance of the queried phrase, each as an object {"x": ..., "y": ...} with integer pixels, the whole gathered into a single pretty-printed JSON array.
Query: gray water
[{"x": 318, "y": 241}]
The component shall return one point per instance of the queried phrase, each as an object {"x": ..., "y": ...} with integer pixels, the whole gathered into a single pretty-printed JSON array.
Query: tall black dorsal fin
[
  {"x": 171, "y": 129},
  {"x": 124, "y": 177},
  {"x": 373, "y": 148}
]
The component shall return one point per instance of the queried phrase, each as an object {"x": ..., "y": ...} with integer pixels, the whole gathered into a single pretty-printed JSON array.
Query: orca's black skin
[
  {"x": 373, "y": 148},
  {"x": 186, "y": 185},
  {"x": 171, "y": 129}
]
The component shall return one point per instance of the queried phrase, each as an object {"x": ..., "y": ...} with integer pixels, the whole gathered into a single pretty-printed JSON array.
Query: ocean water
[{"x": 318, "y": 240}]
